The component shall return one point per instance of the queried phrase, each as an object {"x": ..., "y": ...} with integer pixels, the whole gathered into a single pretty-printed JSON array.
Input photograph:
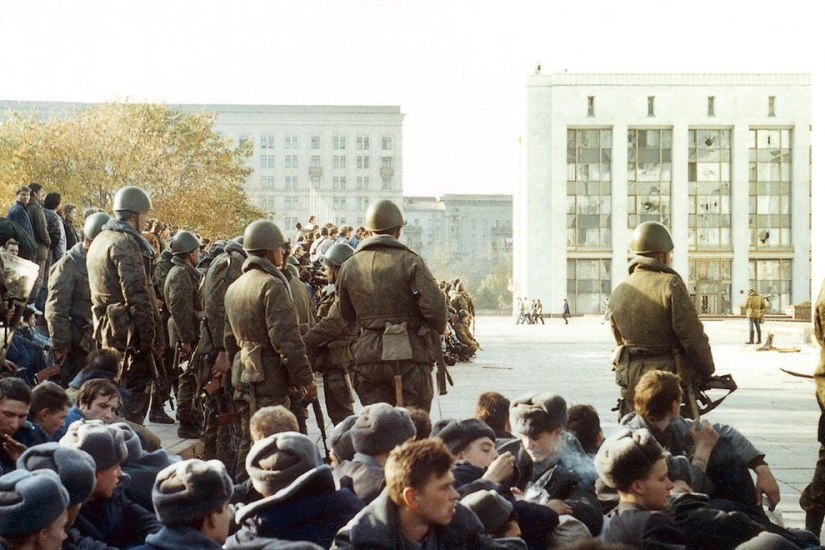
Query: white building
[{"x": 723, "y": 160}]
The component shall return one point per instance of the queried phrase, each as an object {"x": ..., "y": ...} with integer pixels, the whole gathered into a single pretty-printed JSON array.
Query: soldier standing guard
[
  {"x": 262, "y": 338},
  {"x": 124, "y": 310},
  {"x": 388, "y": 289},
  {"x": 654, "y": 320},
  {"x": 181, "y": 294}
]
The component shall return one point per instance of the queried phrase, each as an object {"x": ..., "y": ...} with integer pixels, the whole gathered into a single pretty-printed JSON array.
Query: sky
[{"x": 456, "y": 68}]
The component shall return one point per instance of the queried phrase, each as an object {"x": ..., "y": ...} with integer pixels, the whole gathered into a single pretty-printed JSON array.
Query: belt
[{"x": 650, "y": 354}]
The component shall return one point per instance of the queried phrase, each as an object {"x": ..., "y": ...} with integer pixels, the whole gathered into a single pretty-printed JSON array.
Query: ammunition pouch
[
  {"x": 113, "y": 328},
  {"x": 251, "y": 365},
  {"x": 395, "y": 343}
]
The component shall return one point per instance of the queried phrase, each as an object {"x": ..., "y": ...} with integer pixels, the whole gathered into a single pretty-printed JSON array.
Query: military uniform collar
[
  {"x": 189, "y": 269},
  {"x": 380, "y": 241},
  {"x": 123, "y": 227},
  {"x": 649, "y": 264},
  {"x": 265, "y": 265}
]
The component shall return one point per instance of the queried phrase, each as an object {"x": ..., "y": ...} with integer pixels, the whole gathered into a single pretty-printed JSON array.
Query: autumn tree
[{"x": 194, "y": 175}]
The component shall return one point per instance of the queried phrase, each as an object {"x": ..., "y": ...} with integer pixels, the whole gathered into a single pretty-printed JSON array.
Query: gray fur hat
[
  {"x": 105, "y": 443},
  {"x": 678, "y": 468},
  {"x": 341, "y": 438},
  {"x": 492, "y": 509},
  {"x": 190, "y": 490},
  {"x": 627, "y": 456},
  {"x": 29, "y": 501},
  {"x": 75, "y": 467},
  {"x": 536, "y": 413},
  {"x": 457, "y": 435},
  {"x": 133, "y": 447},
  {"x": 380, "y": 428},
  {"x": 274, "y": 462}
]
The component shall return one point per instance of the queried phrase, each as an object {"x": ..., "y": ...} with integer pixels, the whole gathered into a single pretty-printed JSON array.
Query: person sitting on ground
[
  {"x": 496, "y": 514},
  {"x": 493, "y": 409},
  {"x": 379, "y": 428},
  {"x": 720, "y": 456},
  {"x": 340, "y": 441},
  {"x": 422, "y": 422},
  {"x": 583, "y": 422},
  {"x": 191, "y": 500},
  {"x": 300, "y": 500},
  {"x": 16, "y": 432},
  {"x": 102, "y": 363},
  {"x": 108, "y": 515},
  {"x": 49, "y": 407},
  {"x": 469, "y": 345},
  {"x": 418, "y": 508},
  {"x": 32, "y": 510}
]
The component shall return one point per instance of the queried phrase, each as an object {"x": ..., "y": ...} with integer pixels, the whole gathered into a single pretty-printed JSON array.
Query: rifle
[
  {"x": 442, "y": 375},
  {"x": 698, "y": 401},
  {"x": 319, "y": 419},
  {"x": 227, "y": 416}
]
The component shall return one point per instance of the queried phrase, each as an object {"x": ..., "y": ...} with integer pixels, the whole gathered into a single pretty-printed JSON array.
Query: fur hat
[
  {"x": 105, "y": 443},
  {"x": 29, "y": 501},
  {"x": 678, "y": 468},
  {"x": 457, "y": 435},
  {"x": 130, "y": 436},
  {"x": 190, "y": 490},
  {"x": 341, "y": 438},
  {"x": 627, "y": 456},
  {"x": 492, "y": 509},
  {"x": 75, "y": 467},
  {"x": 542, "y": 412},
  {"x": 380, "y": 428},
  {"x": 276, "y": 461}
]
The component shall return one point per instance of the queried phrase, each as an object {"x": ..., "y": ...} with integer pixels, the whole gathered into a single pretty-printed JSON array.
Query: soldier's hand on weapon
[
  {"x": 501, "y": 468},
  {"x": 13, "y": 447},
  {"x": 766, "y": 485},
  {"x": 185, "y": 349},
  {"x": 221, "y": 366},
  {"x": 311, "y": 391},
  {"x": 60, "y": 354},
  {"x": 559, "y": 506}
]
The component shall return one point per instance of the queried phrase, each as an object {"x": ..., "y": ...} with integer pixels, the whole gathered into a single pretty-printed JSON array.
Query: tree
[
  {"x": 486, "y": 278},
  {"x": 194, "y": 176}
]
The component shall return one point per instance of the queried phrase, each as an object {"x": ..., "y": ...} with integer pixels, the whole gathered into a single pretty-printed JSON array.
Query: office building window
[
  {"x": 270, "y": 161},
  {"x": 588, "y": 284},
  {"x": 363, "y": 182},
  {"x": 267, "y": 142},
  {"x": 263, "y": 161},
  {"x": 291, "y": 182},
  {"x": 315, "y": 161},
  {"x": 268, "y": 182},
  {"x": 709, "y": 283},
  {"x": 709, "y": 217},
  {"x": 386, "y": 144},
  {"x": 771, "y": 105},
  {"x": 588, "y": 188},
  {"x": 315, "y": 142},
  {"x": 651, "y": 100},
  {"x": 363, "y": 204},
  {"x": 290, "y": 203},
  {"x": 291, "y": 142},
  {"x": 242, "y": 140},
  {"x": 591, "y": 105},
  {"x": 772, "y": 279},
  {"x": 339, "y": 182},
  {"x": 343, "y": 142},
  {"x": 335, "y": 161},
  {"x": 649, "y": 176},
  {"x": 339, "y": 203},
  {"x": 291, "y": 161},
  {"x": 386, "y": 184},
  {"x": 386, "y": 162},
  {"x": 343, "y": 161},
  {"x": 315, "y": 182},
  {"x": 335, "y": 142},
  {"x": 362, "y": 142},
  {"x": 363, "y": 162},
  {"x": 769, "y": 217},
  {"x": 711, "y": 105}
]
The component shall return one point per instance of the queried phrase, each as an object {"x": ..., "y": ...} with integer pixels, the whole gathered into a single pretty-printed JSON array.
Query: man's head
[
  {"x": 103, "y": 360},
  {"x": 583, "y": 422},
  {"x": 32, "y": 510},
  {"x": 194, "y": 493},
  {"x": 108, "y": 449},
  {"x": 540, "y": 420},
  {"x": 98, "y": 399},
  {"x": 420, "y": 479},
  {"x": 23, "y": 195},
  {"x": 384, "y": 217},
  {"x": 275, "y": 462},
  {"x": 49, "y": 406},
  {"x": 265, "y": 239},
  {"x": 12, "y": 247},
  {"x": 15, "y": 398},
  {"x": 493, "y": 409},
  {"x": 340, "y": 439},
  {"x": 69, "y": 212},
  {"x": 633, "y": 463},
  {"x": 270, "y": 421},
  {"x": 652, "y": 239},
  {"x": 380, "y": 428},
  {"x": 132, "y": 205},
  {"x": 52, "y": 200},
  {"x": 93, "y": 225},
  {"x": 465, "y": 317},
  {"x": 186, "y": 246},
  {"x": 36, "y": 190},
  {"x": 333, "y": 258},
  {"x": 422, "y": 422},
  {"x": 471, "y": 440},
  {"x": 658, "y": 395}
]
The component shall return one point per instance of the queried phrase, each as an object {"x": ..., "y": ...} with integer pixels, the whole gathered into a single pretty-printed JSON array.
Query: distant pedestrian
[
  {"x": 565, "y": 312},
  {"x": 538, "y": 309},
  {"x": 755, "y": 306}
]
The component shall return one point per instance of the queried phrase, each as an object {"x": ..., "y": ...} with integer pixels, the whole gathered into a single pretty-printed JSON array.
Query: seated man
[
  {"x": 32, "y": 510},
  {"x": 16, "y": 433},
  {"x": 49, "y": 407},
  {"x": 469, "y": 345},
  {"x": 300, "y": 502},
  {"x": 493, "y": 409},
  {"x": 340, "y": 441},
  {"x": 108, "y": 515},
  {"x": 551, "y": 464},
  {"x": 191, "y": 500},
  {"x": 720, "y": 456},
  {"x": 583, "y": 422},
  {"x": 141, "y": 466},
  {"x": 379, "y": 428}
]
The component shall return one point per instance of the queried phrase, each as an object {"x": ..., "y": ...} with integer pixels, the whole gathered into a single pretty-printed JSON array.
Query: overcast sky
[{"x": 456, "y": 68}]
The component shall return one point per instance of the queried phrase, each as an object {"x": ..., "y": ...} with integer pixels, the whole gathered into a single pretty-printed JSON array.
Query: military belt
[{"x": 639, "y": 354}]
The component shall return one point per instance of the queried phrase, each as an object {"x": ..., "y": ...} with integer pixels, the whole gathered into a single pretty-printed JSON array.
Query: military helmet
[
  {"x": 463, "y": 314},
  {"x": 649, "y": 237},
  {"x": 263, "y": 235},
  {"x": 337, "y": 254},
  {"x": 292, "y": 260},
  {"x": 94, "y": 223},
  {"x": 184, "y": 242},
  {"x": 132, "y": 199},
  {"x": 383, "y": 214}
]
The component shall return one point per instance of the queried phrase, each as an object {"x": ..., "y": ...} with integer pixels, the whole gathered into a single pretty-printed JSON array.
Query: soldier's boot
[
  {"x": 813, "y": 520},
  {"x": 750, "y": 340},
  {"x": 157, "y": 414}
]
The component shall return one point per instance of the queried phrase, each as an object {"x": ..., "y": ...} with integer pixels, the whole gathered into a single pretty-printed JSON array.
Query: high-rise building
[{"x": 723, "y": 160}]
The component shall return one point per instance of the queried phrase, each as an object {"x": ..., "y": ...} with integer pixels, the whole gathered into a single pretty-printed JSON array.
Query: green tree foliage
[
  {"x": 194, "y": 176},
  {"x": 488, "y": 279}
]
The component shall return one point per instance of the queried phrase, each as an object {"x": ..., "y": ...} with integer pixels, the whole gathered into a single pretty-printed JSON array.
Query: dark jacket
[
  {"x": 309, "y": 509},
  {"x": 706, "y": 528},
  {"x": 10, "y": 229},
  {"x": 362, "y": 475},
  {"x": 142, "y": 473},
  {"x": 640, "y": 528},
  {"x": 178, "y": 538},
  {"x": 117, "y": 521},
  {"x": 29, "y": 434}
]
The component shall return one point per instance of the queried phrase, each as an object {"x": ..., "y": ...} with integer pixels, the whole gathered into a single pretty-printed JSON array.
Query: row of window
[
  {"x": 651, "y": 105},
  {"x": 338, "y": 182},
  {"x": 362, "y": 143},
  {"x": 362, "y": 162}
]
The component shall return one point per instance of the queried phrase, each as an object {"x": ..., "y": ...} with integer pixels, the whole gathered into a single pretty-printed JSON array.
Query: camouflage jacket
[
  {"x": 755, "y": 305},
  {"x": 160, "y": 270},
  {"x": 69, "y": 304},
  {"x": 223, "y": 271},
  {"x": 458, "y": 301},
  {"x": 462, "y": 332},
  {"x": 183, "y": 300},
  {"x": 40, "y": 228},
  {"x": 330, "y": 342}
]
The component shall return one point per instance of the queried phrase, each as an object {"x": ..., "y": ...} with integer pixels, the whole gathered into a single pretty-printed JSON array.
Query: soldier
[
  {"x": 654, "y": 320},
  {"x": 261, "y": 336},
  {"x": 330, "y": 342},
  {"x": 160, "y": 270},
  {"x": 469, "y": 345},
  {"x": 388, "y": 289},
  {"x": 812, "y": 499},
  {"x": 69, "y": 304},
  {"x": 755, "y": 306},
  {"x": 124, "y": 310},
  {"x": 180, "y": 292}
]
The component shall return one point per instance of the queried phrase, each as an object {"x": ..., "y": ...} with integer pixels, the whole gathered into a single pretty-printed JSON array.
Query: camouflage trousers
[
  {"x": 374, "y": 383},
  {"x": 187, "y": 386},
  {"x": 138, "y": 381},
  {"x": 217, "y": 439},
  {"x": 337, "y": 395},
  {"x": 72, "y": 365},
  {"x": 812, "y": 499}
]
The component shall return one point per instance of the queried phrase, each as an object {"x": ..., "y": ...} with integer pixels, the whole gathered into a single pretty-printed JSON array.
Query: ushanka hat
[{"x": 536, "y": 413}]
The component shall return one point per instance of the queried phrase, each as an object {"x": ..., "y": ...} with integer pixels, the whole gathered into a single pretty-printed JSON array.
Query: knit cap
[
  {"x": 104, "y": 443},
  {"x": 75, "y": 467},
  {"x": 627, "y": 456},
  {"x": 536, "y": 413},
  {"x": 29, "y": 501},
  {"x": 133, "y": 447},
  {"x": 274, "y": 462},
  {"x": 380, "y": 428},
  {"x": 457, "y": 435},
  {"x": 492, "y": 509},
  {"x": 341, "y": 438},
  {"x": 188, "y": 491}
]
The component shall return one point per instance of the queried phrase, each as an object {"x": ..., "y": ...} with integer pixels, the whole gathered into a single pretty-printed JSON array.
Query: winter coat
[
  {"x": 377, "y": 526},
  {"x": 10, "y": 229},
  {"x": 462, "y": 332},
  {"x": 117, "y": 521},
  {"x": 458, "y": 301},
  {"x": 182, "y": 299},
  {"x": 41, "y": 229},
  {"x": 57, "y": 234},
  {"x": 69, "y": 304},
  {"x": 142, "y": 473},
  {"x": 706, "y": 528},
  {"x": 160, "y": 270},
  {"x": 331, "y": 341},
  {"x": 19, "y": 214},
  {"x": 73, "y": 236},
  {"x": 262, "y": 331},
  {"x": 363, "y": 475},
  {"x": 755, "y": 305},
  {"x": 29, "y": 434},
  {"x": 304, "y": 305},
  {"x": 308, "y": 509},
  {"x": 641, "y": 528},
  {"x": 178, "y": 538},
  {"x": 123, "y": 299},
  {"x": 386, "y": 282},
  {"x": 222, "y": 272},
  {"x": 76, "y": 541}
]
